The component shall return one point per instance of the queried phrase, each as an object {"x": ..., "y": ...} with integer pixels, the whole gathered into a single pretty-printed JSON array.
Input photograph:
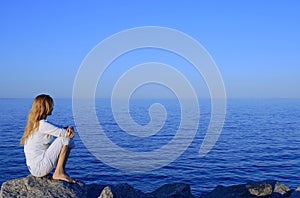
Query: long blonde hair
[{"x": 41, "y": 107}]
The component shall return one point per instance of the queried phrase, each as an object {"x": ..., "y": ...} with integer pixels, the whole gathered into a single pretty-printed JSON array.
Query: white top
[{"x": 37, "y": 143}]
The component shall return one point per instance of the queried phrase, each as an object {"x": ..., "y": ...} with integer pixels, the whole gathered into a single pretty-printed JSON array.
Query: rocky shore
[{"x": 46, "y": 187}]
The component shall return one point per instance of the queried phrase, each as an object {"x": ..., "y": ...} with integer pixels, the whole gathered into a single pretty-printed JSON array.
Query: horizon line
[{"x": 154, "y": 98}]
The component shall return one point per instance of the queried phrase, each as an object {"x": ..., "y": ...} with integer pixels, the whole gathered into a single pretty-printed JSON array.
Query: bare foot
[{"x": 64, "y": 177}]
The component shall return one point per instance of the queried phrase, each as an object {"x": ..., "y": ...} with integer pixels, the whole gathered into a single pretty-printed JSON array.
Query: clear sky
[{"x": 256, "y": 44}]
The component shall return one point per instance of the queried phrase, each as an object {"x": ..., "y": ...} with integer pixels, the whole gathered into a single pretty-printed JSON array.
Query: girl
[{"x": 41, "y": 156}]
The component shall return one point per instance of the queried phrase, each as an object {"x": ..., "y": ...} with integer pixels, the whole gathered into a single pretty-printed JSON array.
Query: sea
[{"x": 260, "y": 140}]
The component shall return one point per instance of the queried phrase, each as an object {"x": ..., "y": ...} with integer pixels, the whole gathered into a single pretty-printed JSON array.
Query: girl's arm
[{"x": 48, "y": 128}]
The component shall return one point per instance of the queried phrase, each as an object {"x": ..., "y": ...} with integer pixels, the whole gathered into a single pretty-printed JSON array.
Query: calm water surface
[{"x": 260, "y": 140}]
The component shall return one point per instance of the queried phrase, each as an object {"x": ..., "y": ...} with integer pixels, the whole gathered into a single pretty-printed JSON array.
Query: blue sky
[{"x": 255, "y": 44}]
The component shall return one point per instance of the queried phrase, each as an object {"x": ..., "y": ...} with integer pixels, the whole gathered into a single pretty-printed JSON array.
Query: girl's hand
[{"x": 70, "y": 132}]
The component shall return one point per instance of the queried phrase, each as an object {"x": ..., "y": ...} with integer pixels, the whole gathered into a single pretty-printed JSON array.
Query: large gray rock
[{"x": 31, "y": 186}]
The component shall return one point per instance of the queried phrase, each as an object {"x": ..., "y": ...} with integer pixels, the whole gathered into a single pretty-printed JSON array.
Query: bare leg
[
  {"x": 59, "y": 173},
  {"x": 67, "y": 157}
]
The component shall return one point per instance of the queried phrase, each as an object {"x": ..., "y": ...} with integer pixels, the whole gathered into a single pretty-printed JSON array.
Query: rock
[
  {"x": 260, "y": 190},
  {"x": 31, "y": 186},
  {"x": 106, "y": 193},
  {"x": 173, "y": 190},
  {"x": 94, "y": 190},
  {"x": 122, "y": 191},
  {"x": 281, "y": 189},
  {"x": 235, "y": 191},
  {"x": 296, "y": 193},
  {"x": 270, "y": 188},
  {"x": 267, "y": 188},
  {"x": 165, "y": 191}
]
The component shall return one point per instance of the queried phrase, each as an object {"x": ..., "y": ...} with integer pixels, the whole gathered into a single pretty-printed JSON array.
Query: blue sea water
[{"x": 260, "y": 140}]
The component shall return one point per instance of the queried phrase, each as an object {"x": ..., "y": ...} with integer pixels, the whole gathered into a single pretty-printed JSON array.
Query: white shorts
[{"x": 50, "y": 157}]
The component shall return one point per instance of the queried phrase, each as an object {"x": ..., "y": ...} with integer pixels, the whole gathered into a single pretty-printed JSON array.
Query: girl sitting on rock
[{"x": 41, "y": 156}]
